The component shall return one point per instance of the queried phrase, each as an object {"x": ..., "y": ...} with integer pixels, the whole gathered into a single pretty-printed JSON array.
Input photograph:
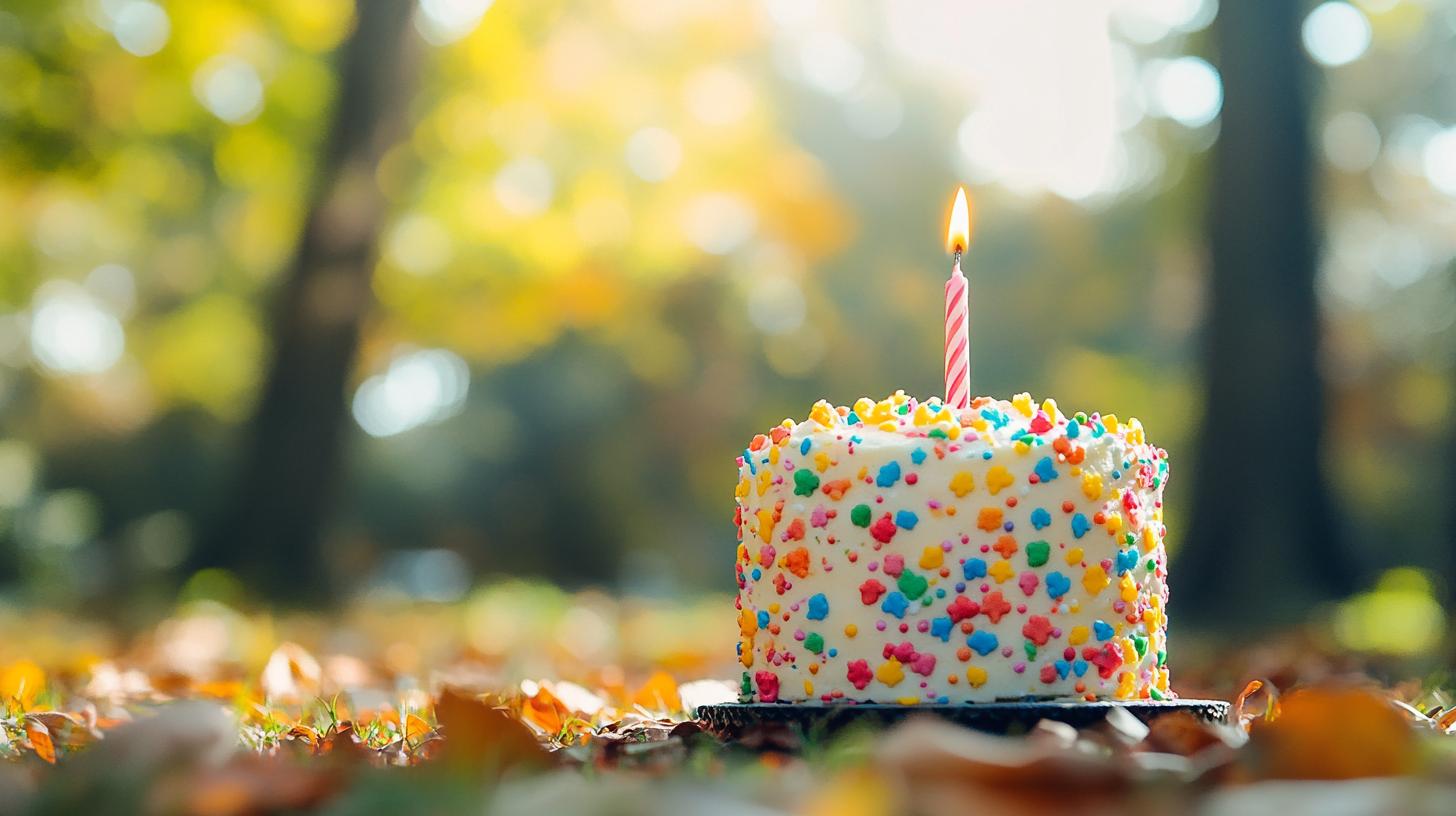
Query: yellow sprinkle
[
  {"x": 908, "y": 700},
  {"x": 1022, "y": 403},
  {"x": 953, "y": 432},
  {"x": 888, "y": 426},
  {"x": 1021, "y": 447},
  {"x": 890, "y": 673},
  {"x": 743, "y": 486},
  {"x": 1129, "y": 588},
  {"x": 922, "y": 415},
  {"x": 998, "y": 477},
  {"x": 773, "y": 608},
  {"x": 1092, "y": 486},
  {"x": 1110, "y": 422},
  {"x": 821, "y": 461},
  {"x": 1002, "y": 571},
  {"x": 1094, "y": 580},
  {"x": 773, "y": 455},
  {"x": 1126, "y": 685},
  {"x": 1078, "y": 635},
  {"x": 1153, "y": 618},
  {"x": 808, "y": 688},
  {"x": 1135, "y": 432},
  {"x": 1150, "y": 539},
  {"x": 850, "y": 630},
  {"x": 765, "y": 481},
  {"x": 1129, "y": 652},
  {"x": 1074, "y": 556},
  {"x": 863, "y": 406},
  {"x": 747, "y": 657},
  {"x": 976, "y": 676},
  {"x": 962, "y": 483},
  {"x": 979, "y": 423},
  {"x": 765, "y": 525},
  {"x": 747, "y": 623},
  {"x": 824, "y": 414},
  {"x": 932, "y": 558},
  {"x": 1049, "y": 407},
  {"x": 1114, "y": 522}
]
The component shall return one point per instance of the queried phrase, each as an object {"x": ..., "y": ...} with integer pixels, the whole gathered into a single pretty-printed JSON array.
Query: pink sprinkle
[
  {"x": 880, "y": 625},
  {"x": 1019, "y": 668}
]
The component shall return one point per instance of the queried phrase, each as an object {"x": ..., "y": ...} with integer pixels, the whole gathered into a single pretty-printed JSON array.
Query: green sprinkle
[
  {"x": 860, "y": 515},
  {"x": 1037, "y": 553}
]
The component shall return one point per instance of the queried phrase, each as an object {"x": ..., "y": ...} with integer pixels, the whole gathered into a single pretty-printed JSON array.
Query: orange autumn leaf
[
  {"x": 40, "y": 740},
  {"x": 545, "y": 711},
  {"x": 292, "y": 674},
  {"x": 1335, "y": 733},
  {"x": 659, "y": 693},
  {"x": 415, "y": 728}
]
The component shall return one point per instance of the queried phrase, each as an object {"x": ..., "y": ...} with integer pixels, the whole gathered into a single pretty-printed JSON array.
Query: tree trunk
[
  {"x": 1264, "y": 544},
  {"x": 271, "y": 528}
]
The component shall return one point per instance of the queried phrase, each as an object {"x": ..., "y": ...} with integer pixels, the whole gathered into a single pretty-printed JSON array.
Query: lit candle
[{"x": 957, "y": 314}]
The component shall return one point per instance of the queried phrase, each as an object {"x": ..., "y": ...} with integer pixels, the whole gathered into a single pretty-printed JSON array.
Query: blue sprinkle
[
  {"x": 895, "y": 604},
  {"x": 940, "y": 593},
  {"x": 1079, "y": 667},
  {"x": 748, "y": 459},
  {"x": 1046, "y": 469},
  {"x": 1102, "y": 630},
  {"x": 1073, "y": 430},
  {"x": 804, "y": 446},
  {"x": 1098, "y": 430},
  {"x": 906, "y": 520},
  {"x": 1126, "y": 561},
  {"x": 889, "y": 474},
  {"x": 1063, "y": 667},
  {"x": 918, "y": 455},
  {"x": 762, "y": 619},
  {"x": 856, "y": 439},
  {"x": 834, "y": 653},
  {"x": 940, "y": 627},
  {"x": 1080, "y": 525},
  {"x": 974, "y": 568},
  {"x": 983, "y": 642},
  {"x": 757, "y": 573},
  {"x": 818, "y": 607},
  {"x": 960, "y": 587},
  {"x": 986, "y": 455},
  {"x": 740, "y": 648},
  {"x": 852, "y": 418},
  {"x": 1057, "y": 584},
  {"x": 1116, "y": 474},
  {"x": 1040, "y": 518}
]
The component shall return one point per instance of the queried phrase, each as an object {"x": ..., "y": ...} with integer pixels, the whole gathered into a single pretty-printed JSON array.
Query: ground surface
[{"x": 411, "y": 710}]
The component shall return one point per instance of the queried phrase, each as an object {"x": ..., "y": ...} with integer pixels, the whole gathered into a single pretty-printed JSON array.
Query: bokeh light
[{"x": 1336, "y": 33}]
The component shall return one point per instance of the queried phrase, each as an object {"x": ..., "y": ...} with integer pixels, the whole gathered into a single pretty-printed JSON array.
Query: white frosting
[{"x": 969, "y": 550}]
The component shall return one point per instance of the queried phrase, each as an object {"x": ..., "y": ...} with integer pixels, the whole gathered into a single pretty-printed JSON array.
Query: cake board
[{"x": 730, "y": 721}]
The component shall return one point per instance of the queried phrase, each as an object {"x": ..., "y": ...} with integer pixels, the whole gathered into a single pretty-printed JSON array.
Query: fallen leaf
[
  {"x": 292, "y": 675},
  {"x": 659, "y": 694},
  {"x": 1334, "y": 733},
  {"x": 479, "y": 735},
  {"x": 40, "y": 740}
]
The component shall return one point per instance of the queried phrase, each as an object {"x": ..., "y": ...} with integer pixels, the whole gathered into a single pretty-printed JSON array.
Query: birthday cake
[{"x": 904, "y": 552}]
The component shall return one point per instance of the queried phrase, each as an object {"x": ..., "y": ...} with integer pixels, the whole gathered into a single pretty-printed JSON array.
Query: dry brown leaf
[
  {"x": 1334, "y": 733},
  {"x": 481, "y": 736}
]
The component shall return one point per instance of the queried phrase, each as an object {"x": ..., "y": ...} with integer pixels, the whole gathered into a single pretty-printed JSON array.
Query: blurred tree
[
  {"x": 275, "y": 516},
  {"x": 1264, "y": 542}
]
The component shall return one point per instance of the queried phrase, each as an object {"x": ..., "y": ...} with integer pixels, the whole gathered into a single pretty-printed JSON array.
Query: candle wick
[{"x": 958, "y": 256}]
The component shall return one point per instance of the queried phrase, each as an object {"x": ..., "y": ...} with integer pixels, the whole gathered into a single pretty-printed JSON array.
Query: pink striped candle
[{"x": 957, "y": 313}]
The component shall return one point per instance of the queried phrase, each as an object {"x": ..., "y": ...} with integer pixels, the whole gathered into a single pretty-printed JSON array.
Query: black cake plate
[{"x": 731, "y": 721}]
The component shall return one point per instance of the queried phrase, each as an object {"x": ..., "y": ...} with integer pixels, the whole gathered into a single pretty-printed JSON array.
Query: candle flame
[{"x": 958, "y": 234}]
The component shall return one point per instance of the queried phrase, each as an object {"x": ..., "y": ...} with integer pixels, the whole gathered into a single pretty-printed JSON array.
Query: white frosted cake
[{"x": 899, "y": 551}]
